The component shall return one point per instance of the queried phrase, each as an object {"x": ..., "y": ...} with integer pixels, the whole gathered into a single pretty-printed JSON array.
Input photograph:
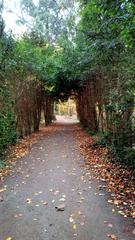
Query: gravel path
[{"x": 50, "y": 197}]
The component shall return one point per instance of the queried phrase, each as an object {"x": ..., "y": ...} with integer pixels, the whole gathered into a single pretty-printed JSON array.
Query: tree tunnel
[{"x": 41, "y": 103}]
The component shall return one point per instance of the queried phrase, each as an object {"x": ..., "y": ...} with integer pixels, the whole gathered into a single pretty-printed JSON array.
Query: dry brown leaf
[
  {"x": 28, "y": 200},
  {"x": 71, "y": 220},
  {"x": 112, "y": 236},
  {"x": 109, "y": 225},
  {"x": 45, "y": 203},
  {"x": 2, "y": 190},
  {"x": 60, "y": 207}
]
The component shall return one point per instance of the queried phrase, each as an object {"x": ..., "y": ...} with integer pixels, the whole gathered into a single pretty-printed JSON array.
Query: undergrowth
[{"x": 119, "y": 153}]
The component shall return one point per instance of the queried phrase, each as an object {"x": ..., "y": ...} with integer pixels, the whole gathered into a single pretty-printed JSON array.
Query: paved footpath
[{"x": 49, "y": 196}]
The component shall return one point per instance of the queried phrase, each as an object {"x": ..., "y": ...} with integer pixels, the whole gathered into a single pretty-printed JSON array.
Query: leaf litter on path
[
  {"x": 119, "y": 180},
  {"x": 21, "y": 148}
]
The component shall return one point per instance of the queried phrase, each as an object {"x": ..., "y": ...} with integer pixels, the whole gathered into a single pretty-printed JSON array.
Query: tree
[
  {"x": 107, "y": 30},
  {"x": 7, "y": 127},
  {"x": 49, "y": 18}
]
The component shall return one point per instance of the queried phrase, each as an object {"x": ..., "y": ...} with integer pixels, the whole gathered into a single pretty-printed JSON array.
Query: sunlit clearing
[{"x": 66, "y": 110}]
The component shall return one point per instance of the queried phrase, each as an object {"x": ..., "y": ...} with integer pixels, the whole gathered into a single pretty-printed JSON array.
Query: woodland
[{"x": 79, "y": 48}]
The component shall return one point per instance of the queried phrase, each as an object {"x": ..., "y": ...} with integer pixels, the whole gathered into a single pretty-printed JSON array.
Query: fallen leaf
[
  {"x": 40, "y": 192},
  {"x": 101, "y": 194},
  {"x": 20, "y": 214},
  {"x": 51, "y": 190},
  {"x": 62, "y": 199},
  {"x": 112, "y": 236},
  {"x": 74, "y": 226},
  {"x": 2, "y": 190},
  {"x": 109, "y": 225},
  {"x": 71, "y": 220},
  {"x": 56, "y": 192},
  {"x": 29, "y": 200},
  {"x": 119, "y": 180},
  {"x": 110, "y": 201},
  {"x": 82, "y": 223},
  {"x": 1, "y": 199},
  {"x": 80, "y": 201},
  {"x": 60, "y": 207},
  {"x": 45, "y": 203},
  {"x": 80, "y": 193},
  {"x": 117, "y": 202},
  {"x": 79, "y": 212},
  {"x": 82, "y": 198}
]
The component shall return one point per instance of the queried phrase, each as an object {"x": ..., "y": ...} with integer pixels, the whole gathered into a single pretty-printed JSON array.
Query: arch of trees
[{"x": 85, "y": 47}]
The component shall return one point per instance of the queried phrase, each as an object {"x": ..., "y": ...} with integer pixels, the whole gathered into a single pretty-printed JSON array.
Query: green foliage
[
  {"x": 117, "y": 150},
  {"x": 89, "y": 132},
  {"x": 108, "y": 40},
  {"x": 102, "y": 139},
  {"x": 50, "y": 19},
  {"x": 125, "y": 155},
  {"x": 7, "y": 127}
]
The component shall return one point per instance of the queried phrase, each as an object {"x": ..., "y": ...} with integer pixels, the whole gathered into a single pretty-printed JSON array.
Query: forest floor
[{"x": 55, "y": 193}]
